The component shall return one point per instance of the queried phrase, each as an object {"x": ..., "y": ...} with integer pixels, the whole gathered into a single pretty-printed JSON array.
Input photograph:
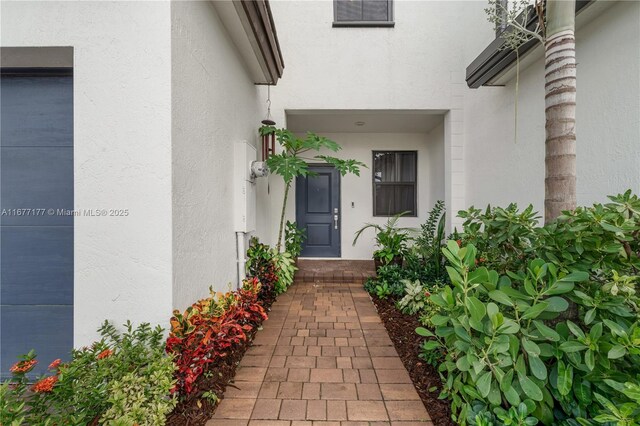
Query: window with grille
[
  {"x": 395, "y": 175},
  {"x": 372, "y": 13}
]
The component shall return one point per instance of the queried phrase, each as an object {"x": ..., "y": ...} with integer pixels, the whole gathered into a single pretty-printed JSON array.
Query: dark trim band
[
  {"x": 257, "y": 13},
  {"x": 365, "y": 24},
  {"x": 37, "y": 72},
  {"x": 496, "y": 58}
]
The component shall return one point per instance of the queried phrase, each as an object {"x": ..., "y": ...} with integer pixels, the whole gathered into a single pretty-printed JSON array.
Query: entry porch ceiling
[{"x": 375, "y": 121}]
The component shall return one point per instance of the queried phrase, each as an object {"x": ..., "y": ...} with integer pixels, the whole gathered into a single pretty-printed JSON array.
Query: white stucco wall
[
  {"x": 408, "y": 66},
  {"x": 359, "y": 191},
  {"x": 501, "y": 170},
  {"x": 122, "y": 150},
  {"x": 417, "y": 65},
  {"x": 214, "y": 106}
]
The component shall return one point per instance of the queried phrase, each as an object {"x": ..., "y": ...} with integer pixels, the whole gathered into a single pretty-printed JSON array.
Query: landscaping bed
[
  {"x": 425, "y": 377},
  {"x": 196, "y": 409},
  {"x": 528, "y": 324},
  {"x": 126, "y": 378}
]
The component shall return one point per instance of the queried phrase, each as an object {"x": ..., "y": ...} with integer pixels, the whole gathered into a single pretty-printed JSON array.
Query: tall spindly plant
[
  {"x": 291, "y": 162},
  {"x": 555, "y": 29}
]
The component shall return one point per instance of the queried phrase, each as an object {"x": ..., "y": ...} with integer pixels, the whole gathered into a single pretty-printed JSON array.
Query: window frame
[
  {"x": 364, "y": 24},
  {"x": 414, "y": 183}
]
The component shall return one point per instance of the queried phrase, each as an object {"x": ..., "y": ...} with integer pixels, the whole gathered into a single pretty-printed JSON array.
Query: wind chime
[{"x": 268, "y": 140}]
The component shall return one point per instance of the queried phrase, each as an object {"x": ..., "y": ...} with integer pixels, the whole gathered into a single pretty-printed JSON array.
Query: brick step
[
  {"x": 334, "y": 271},
  {"x": 333, "y": 276}
]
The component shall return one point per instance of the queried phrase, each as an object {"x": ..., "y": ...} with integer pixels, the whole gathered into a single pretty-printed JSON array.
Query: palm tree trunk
[{"x": 560, "y": 109}]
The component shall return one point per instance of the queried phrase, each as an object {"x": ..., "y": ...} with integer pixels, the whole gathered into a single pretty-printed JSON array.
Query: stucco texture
[
  {"x": 214, "y": 105},
  {"x": 416, "y": 65},
  {"x": 122, "y": 150},
  {"x": 502, "y": 168}
]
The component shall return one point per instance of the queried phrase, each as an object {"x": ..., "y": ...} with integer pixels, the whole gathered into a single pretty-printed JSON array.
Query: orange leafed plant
[{"x": 209, "y": 330}]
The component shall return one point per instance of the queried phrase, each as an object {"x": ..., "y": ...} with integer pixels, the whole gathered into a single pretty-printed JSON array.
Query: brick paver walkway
[{"x": 323, "y": 359}]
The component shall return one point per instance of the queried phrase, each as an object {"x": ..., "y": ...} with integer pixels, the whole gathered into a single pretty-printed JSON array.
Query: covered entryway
[
  {"x": 404, "y": 154},
  {"x": 36, "y": 228},
  {"x": 318, "y": 211}
]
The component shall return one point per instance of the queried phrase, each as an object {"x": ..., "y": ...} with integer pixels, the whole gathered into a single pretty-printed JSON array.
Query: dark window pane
[
  {"x": 394, "y": 182},
  {"x": 384, "y": 166},
  {"x": 384, "y": 196},
  {"x": 407, "y": 166},
  {"x": 348, "y": 10},
  {"x": 375, "y": 10},
  {"x": 405, "y": 199}
]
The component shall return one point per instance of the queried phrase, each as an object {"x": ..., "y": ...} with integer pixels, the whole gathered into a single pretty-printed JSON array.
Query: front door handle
[{"x": 335, "y": 221}]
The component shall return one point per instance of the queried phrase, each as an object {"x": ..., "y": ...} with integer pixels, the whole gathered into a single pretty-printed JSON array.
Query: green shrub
[
  {"x": 391, "y": 276},
  {"x": 141, "y": 398},
  {"x": 392, "y": 241},
  {"x": 422, "y": 261},
  {"x": 382, "y": 290},
  {"x": 293, "y": 238},
  {"x": 542, "y": 323},
  {"x": 414, "y": 298},
  {"x": 261, "y": 265},
  {"x": 430, "y": 309},
  {"x": 274, "y": 270},
  {"x": 596, "y": 239},
  {"x": 96, "y": 382},
  {"x": 429, "y": 242},
  {"x": 285, "y": 269},
  {"x": 415, "y": 267}
]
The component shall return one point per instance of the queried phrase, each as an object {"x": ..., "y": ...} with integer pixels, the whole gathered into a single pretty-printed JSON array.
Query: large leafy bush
[
  {"x": 598, "y": 238},
  {"x": 541, "y": 323}
]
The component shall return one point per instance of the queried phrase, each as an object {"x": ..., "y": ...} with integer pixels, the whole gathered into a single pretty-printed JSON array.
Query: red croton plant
[{"x": 210, "y": 329}]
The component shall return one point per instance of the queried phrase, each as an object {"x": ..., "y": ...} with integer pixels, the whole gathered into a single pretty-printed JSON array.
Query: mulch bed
[
  {"x": 196, "y": 410},
  {"x": 401, "y": 329}
]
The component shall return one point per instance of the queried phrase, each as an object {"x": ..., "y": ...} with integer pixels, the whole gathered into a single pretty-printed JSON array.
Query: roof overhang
[
  {"x": 495, "y": 65},
  {"x": 252, "y": 29},
  {"x": 363, "y": 120}
]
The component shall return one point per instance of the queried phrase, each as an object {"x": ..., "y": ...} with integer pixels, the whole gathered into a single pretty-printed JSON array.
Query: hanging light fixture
[{"x": 268, "y": 140}]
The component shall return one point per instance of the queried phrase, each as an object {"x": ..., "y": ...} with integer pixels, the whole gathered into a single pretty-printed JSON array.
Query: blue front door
[
  {"x": 318, "y": 211},
  {"x": 36, "y": 236}
]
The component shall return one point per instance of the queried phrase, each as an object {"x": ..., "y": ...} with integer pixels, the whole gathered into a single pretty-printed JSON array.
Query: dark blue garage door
[{"x": 36, "y": 236}]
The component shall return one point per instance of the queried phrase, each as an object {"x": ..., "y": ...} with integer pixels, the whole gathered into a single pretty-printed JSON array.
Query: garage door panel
[
  {"x": 37, "y": 111},
  {"x": 46, "y": 329},
  {"x": 41, "y": 265},
  {"x": 36, "y": 229},
  {"x": 36, "y": 178}
]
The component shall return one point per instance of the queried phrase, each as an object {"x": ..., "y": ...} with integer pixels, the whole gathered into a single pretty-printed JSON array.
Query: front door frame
[{"x": 338, "y": 204}]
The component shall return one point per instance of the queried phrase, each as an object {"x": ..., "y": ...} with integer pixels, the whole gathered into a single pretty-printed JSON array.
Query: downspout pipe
[{"x": 241, "y": 260}]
